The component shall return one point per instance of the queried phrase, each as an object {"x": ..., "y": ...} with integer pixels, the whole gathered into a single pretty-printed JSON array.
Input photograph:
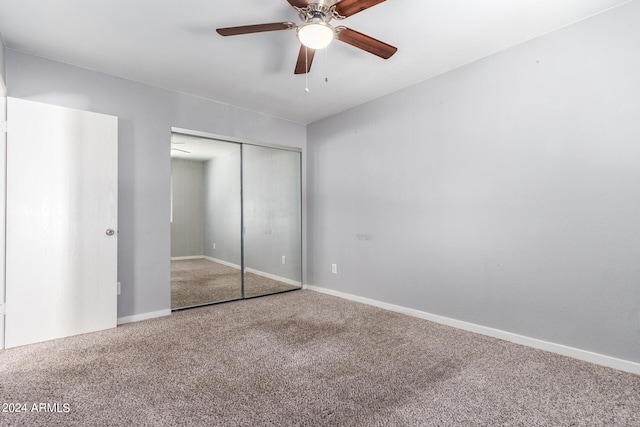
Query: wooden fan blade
[
  {"x": 347, "y": 8},
  {"x": 305, "y": 58},
  {"x": 299, "y": 3},
  {"x": 364, "y": 42},
  {"x": 258, "y": 28}
]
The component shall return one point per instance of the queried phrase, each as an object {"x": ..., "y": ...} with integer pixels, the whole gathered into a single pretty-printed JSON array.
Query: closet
[{"x": 236, "y": 229}]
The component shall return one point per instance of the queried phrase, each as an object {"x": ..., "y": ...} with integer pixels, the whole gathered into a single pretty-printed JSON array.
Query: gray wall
[
  {"x": 505, "y": 193},
  {"x": 146, "y": 115},
  {"x": 222, "y": 204},
  {"x": 187, "y": 225},
  {"x": 2, "y": 64}
]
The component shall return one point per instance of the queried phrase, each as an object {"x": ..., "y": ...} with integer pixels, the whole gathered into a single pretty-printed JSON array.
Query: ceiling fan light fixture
[{"x": 316, "y": 34}]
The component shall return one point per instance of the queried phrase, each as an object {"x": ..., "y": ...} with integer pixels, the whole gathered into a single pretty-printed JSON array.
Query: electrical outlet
[
  {"x": 214, "y": 246},
  {"x": 284, "y": 259},
  {"x": 334, "y": 268},
  {"x": 118, "y": 288}
]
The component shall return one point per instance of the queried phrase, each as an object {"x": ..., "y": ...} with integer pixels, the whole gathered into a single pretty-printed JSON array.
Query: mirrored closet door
[
  {"x": 235, "y": 220},
  {"x": 271, "y": 193},
  {"x": 205, "y": 221}
]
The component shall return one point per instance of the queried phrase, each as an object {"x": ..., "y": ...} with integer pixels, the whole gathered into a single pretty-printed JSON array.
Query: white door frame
[{"x": 3, "y": 198}]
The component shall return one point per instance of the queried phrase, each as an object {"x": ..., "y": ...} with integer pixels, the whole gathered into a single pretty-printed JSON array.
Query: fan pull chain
[
  {"x": 326, "y": 64},
  {"x": 306, "y": 66}
]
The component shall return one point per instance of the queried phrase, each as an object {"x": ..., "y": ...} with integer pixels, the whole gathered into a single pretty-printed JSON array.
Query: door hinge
[
  {"x": 3, "y": 126},
  {"x": 1, "y": 309}
]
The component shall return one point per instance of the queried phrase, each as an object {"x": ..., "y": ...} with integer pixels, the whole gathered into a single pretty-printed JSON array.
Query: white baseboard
[
  {"x": 143, "y": 316},
  {"x": 256, "y": 272},
  {"x": 219, "y": 261},
  {"x": 273, "y": 277},
  {"x": 576, "y": 353},
  {"x": 182, "y": 258}
]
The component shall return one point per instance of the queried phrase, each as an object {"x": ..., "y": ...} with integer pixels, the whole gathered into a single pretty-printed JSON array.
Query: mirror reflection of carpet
[{"x": 202, "y": 281}]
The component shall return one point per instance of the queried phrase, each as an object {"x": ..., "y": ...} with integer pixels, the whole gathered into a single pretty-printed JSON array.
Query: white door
[{"x": 61, "y": 254}]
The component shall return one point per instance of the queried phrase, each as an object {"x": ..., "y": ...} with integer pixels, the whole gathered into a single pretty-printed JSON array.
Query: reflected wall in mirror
[
  {"x": 271, "y": 188},
  {"x": 205, "y": 221}
]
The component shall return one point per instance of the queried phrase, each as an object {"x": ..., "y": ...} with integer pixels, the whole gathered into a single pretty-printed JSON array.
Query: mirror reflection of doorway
[
  {"x": 235, "y": 208},
  {"x": 205, "y": 221}
]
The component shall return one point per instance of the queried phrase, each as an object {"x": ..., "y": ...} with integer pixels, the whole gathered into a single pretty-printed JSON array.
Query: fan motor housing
[{"x": 317, "y": 12}]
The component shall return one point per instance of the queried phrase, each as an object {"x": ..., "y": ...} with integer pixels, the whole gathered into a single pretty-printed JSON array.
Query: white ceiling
[{"x": 173, "y": 44}]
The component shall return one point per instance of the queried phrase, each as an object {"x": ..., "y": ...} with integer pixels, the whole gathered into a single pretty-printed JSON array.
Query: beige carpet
[
  {"x": 306, "y": 359},
  {"x": 201, "y": 281}
]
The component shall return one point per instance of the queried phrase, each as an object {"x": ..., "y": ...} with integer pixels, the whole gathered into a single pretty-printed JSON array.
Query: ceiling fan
[{"x": 315, "y": 32}]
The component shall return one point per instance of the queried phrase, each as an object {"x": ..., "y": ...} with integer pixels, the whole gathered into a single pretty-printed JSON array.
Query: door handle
[{"x": 110, "y": 232}]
